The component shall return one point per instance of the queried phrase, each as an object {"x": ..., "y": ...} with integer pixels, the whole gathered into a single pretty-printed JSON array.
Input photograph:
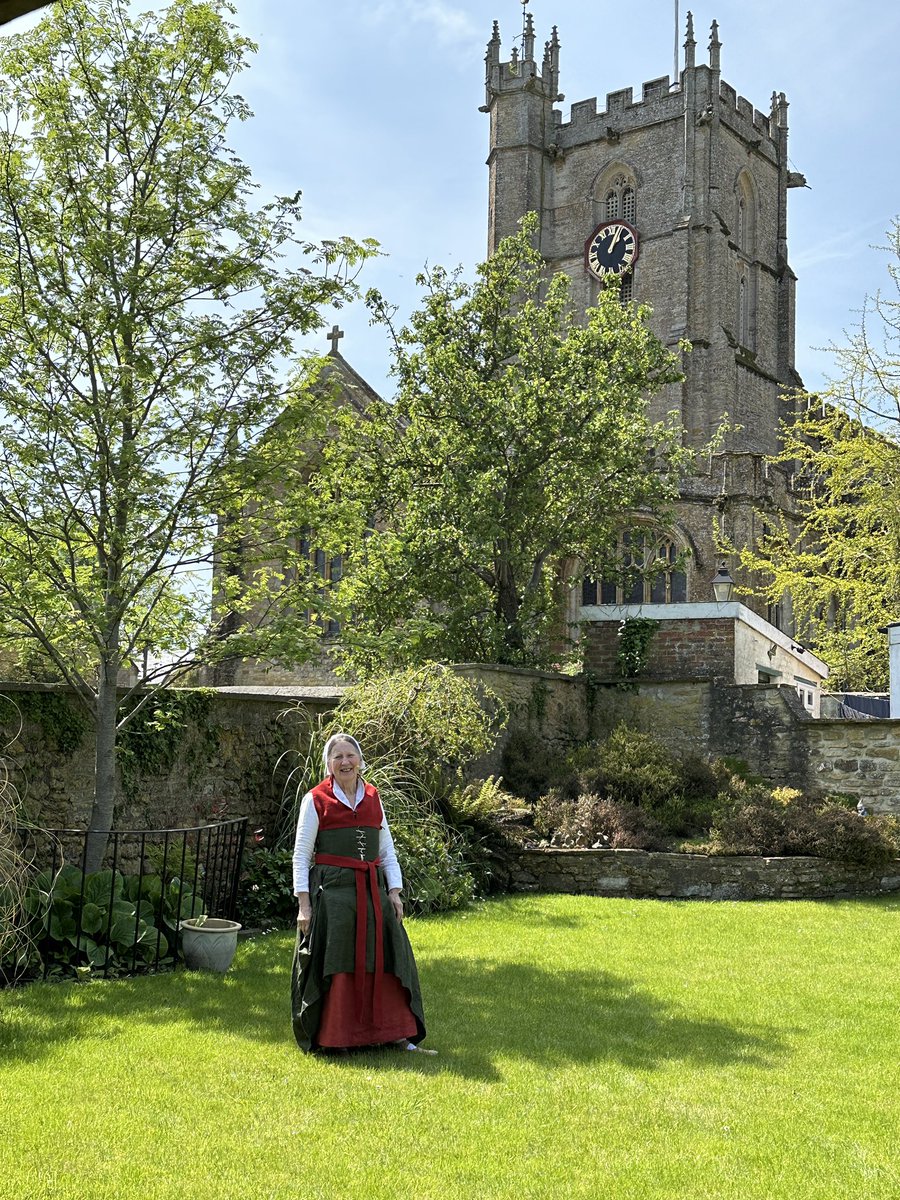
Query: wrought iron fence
[{"x": 124, "y": 918}]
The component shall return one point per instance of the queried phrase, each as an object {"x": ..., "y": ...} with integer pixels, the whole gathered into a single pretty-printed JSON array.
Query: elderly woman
[{"x": 354, "y": 980}]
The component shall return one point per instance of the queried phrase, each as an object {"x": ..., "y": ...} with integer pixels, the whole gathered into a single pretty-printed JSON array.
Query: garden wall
[
  {"x": 231, "y": 760},
  {"x": 638, "y": 874}
]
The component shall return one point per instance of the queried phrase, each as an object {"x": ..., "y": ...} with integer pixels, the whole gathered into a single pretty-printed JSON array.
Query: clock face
[{"x": 612, "y": 249}]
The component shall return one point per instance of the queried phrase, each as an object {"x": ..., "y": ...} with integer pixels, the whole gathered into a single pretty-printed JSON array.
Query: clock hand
[{"x": 616, "y": 237}]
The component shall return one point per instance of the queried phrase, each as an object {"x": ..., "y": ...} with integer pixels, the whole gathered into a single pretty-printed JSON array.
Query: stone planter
[{"x": 208, "y": 943}]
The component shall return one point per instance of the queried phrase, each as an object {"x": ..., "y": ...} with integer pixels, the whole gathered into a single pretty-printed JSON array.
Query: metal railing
[{"x": 124, "y": 918}]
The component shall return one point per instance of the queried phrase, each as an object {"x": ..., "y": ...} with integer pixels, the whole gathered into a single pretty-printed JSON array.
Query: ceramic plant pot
[{"x": 208, "y": 943}]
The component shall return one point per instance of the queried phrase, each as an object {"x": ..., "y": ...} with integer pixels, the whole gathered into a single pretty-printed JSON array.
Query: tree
[
  {"x": 839, "y": 555},
  {"x": 518, "y": 438},
  {"x": 147, "y": 312}
]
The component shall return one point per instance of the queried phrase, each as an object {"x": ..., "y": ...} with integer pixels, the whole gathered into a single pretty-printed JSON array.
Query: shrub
[
  {"x": 591, "y": 821},
  {"x": 784, "y": 822},
  {"x": 436, "y": 874},
  {"x": 845, "y": 836},
  {"x": 266, "y": 898},
  {"x": 428, "y": 720},
  {"x": 633, "y": 768}
]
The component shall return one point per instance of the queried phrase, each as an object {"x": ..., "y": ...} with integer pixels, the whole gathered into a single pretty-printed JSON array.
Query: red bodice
[{"x": 333, "y": 814}]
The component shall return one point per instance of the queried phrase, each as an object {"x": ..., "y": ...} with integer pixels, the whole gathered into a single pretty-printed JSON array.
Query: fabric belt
[{"x": 365, "y": 872}]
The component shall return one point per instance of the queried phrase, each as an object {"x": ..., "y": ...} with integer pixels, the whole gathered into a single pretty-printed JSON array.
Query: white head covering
[{"x": 341, "y": 737}]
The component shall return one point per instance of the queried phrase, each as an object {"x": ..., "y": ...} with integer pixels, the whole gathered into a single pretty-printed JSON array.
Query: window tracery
[
  {"x": 649, "y": 571},
  {"x": 620, "y": 199}
]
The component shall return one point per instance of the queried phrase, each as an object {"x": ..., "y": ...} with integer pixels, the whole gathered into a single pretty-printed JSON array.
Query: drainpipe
[{"x": 893, "y": 632}]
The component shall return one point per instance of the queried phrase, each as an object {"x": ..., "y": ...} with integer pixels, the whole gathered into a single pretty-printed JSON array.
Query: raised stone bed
[{"x": 637, "y": 873}]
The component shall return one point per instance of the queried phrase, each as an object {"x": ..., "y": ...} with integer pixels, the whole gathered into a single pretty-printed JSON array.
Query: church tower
[{"x": 679, "y": 198}]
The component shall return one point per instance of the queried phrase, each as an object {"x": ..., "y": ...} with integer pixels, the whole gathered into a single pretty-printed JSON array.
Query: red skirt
[{"x": 342, "y": 1026}]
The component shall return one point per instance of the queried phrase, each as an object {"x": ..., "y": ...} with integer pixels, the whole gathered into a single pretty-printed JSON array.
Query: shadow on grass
[
  {"x": 552, "y": 1017},
  {"x": 478, "y": 1011}
]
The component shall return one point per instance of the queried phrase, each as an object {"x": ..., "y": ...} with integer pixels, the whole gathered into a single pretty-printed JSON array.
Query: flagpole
[{"x": 675, "y": 75}]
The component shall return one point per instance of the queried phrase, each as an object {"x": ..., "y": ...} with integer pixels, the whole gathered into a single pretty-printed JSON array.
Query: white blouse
[{"x": 307, "y": 831}]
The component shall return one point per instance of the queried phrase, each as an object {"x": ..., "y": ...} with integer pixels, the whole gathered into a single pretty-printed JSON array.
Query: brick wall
[{"x": 692, "y": 649}]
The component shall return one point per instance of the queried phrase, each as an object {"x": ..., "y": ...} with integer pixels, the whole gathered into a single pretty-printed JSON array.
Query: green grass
[{"x": 595, "y": 1048}]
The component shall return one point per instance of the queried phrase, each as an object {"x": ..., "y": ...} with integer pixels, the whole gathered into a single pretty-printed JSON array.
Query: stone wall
[
  {"x": 552, "y": 706},
  {"x": 638, "y": 874},
  {"x": 235, "y": 762},
  {"x": 858, "y": 758}
]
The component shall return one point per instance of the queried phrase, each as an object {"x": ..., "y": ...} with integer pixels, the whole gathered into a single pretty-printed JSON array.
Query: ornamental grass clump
[
  {"x": 419, "y": 729},
  {"x": 14, "y": 949}
]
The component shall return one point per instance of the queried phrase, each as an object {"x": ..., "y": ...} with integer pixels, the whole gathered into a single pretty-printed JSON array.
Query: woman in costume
[{"x": 354, "y": 980}]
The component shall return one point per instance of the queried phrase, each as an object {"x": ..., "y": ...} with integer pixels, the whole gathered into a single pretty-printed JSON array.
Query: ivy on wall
[
  {"x": 635, "y": 636},
  {"x": 60, "y": 718},
  {"x": 537, "y": 702},
  {"x": 149, "y": 744}
]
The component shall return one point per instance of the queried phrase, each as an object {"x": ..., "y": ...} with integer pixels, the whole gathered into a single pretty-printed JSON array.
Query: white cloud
[
  {"x": 845, "y": 246},
  {"x": 452, "y": 25}
]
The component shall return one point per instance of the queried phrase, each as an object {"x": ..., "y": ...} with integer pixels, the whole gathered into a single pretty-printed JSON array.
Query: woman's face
[{"x": 343, "y": 763}]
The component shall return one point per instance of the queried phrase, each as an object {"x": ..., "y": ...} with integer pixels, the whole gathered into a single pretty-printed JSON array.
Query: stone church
[{"x": 677, "y": 197}]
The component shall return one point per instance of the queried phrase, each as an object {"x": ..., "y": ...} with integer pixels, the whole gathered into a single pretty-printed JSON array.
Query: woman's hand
[
  {"x": 397, "y": 903},
  {"x": 304, "y": 914}
]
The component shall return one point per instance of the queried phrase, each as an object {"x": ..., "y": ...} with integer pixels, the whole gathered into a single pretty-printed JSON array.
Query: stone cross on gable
[{"x": 335, "y": 335}]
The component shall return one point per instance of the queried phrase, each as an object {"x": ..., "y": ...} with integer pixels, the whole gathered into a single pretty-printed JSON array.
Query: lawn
[{"x": 596, "y": 1048}]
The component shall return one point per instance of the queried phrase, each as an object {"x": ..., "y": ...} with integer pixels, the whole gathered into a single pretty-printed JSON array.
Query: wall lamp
[{"x": 722, "y": 585}]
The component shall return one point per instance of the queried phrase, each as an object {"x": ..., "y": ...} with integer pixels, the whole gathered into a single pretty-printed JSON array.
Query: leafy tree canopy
[
  {"x": 147, "y": 314},
  {"x": 519, "y": 439}
]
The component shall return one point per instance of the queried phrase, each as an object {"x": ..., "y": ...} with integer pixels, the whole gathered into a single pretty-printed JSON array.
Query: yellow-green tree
[{"x": 840, "y": 558}]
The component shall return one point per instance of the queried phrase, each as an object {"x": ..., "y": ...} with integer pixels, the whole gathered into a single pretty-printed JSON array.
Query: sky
[{"x": 372, "y": 110}]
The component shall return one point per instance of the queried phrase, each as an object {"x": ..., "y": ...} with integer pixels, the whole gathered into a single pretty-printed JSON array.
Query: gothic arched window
[
  {"x": 313, "y": 563},
  {"x": 649, "y": 571},
  {"x": 745, "y": 214},
  {"x": 629, "y": 204},
  {"x": 620, "y": 198}
]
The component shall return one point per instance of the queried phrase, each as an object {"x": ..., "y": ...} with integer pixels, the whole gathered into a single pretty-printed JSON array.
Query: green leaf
[
  {"x": 123, "y": 932},
  {"x": 92, "y": 917},
  {"x": 68, "y": 883},
  {"x": 103, "y": 887},
  {"x": 62, "y": 920},
  {"x": 98, "y": 956}
]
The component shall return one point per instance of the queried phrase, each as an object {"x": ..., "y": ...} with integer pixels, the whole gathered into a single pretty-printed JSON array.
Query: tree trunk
[
  {"x": 508, "y": 605},
  {"x": 104, "y": 769}
]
